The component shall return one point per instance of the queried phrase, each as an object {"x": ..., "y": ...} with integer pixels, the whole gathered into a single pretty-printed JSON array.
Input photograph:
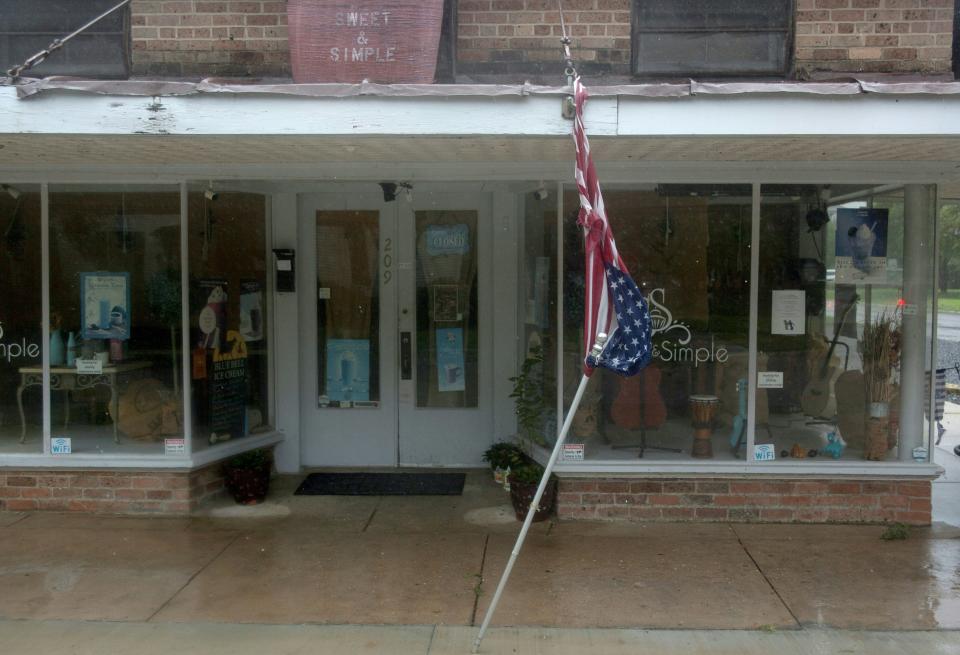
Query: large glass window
[
  {"x": 115, "y": 318},
  {"x": 228, "y": 316},
  {"x": 540, "y": 338},
  {"x": 845, "y": 292},
  {"x": 688, "y": 249},
  {"x": 21, "y": 338}
]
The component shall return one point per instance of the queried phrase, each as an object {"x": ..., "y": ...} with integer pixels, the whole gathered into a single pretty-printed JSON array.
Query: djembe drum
[{"x": 703, "y": 411}]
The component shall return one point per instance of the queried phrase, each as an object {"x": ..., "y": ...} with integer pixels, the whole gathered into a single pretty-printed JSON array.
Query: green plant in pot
[
  {"x": 524, "y": 480},
  {"x": 503, "y": 456},
  {"x": 247, "y": 476}
]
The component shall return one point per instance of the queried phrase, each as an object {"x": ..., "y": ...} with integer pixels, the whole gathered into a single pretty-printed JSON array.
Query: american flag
[{"x": 613, "y": 303}]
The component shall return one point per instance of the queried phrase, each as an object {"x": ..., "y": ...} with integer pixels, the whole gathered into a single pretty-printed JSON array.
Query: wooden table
[{"x": 66, "y": 379}]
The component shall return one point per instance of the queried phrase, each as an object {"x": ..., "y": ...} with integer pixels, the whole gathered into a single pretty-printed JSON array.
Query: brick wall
[
  {"x": 883, "y": 36},
  {"x": 523, "y": 36},
  {"x": 740, "y": 500},
  {"x": 109, "y": 491},
  {"x": 204, "y": 38},
  {"x": 519, "y": 39}
]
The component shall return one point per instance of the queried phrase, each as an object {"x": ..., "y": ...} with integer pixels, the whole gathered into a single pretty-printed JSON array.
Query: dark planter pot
[
  {"x": 248, "y": 486},
  {"x": 522, "y": 493}
]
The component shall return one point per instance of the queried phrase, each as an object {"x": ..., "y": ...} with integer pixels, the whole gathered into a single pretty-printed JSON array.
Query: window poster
[
  {"x": 861, "y": 252},
  {"x": 788, "y": 312},
  {"x": 450, "y": 369},
  {"x": 105, "y": 305},
  {"x": 348, "y": 370},
  {"x": 446, "y": 302},
  {"x": 212, "y": 319},
  {"x": 228, "y": 388},
  {"x": 251, "y": 310}
]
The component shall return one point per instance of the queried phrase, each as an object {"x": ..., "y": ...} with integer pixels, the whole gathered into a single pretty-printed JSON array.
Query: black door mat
[{"x": 382, "y": 484}]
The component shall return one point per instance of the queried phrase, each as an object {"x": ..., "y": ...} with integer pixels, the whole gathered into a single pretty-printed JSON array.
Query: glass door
[
  {"x": 348, "y": 331},
  {"x": 445, "y": 398}
]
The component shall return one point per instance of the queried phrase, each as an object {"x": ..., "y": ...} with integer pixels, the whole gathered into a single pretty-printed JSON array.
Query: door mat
[{"x": 382, "y": 484}]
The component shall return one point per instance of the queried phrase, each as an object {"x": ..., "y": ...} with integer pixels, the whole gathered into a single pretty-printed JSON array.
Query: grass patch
[{"x": 895, "y": 531}]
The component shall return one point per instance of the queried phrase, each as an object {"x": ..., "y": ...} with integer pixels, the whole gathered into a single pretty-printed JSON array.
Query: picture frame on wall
[{"x": 105, "y": 305}]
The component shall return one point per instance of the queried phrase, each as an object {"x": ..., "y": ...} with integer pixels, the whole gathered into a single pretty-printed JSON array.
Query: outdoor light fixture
[
  {"x": 13, "y": 192},
  {"x": 390, "y": 191}
]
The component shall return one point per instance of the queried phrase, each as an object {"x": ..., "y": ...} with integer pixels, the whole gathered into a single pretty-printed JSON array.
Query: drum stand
[{"x": 643, "y": 426}]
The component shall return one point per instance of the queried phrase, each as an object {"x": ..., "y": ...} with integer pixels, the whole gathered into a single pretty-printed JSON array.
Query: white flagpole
[{"x": 548, "y": 469}]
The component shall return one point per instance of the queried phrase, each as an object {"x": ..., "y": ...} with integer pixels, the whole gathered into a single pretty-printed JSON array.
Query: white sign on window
[
  {"x": 60, "y": 446},
  {"x": 572, "y": 452},
  {"x": 764, "y": 452},
  {"x": 174, "y": 447},
  {"x": 788, "y": 312},
  {"x": 89, "y": 366},
  {"x": 770, "y": 379}
]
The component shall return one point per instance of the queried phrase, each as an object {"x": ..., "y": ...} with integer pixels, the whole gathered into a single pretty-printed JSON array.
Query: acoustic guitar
[
  {"x": 818, "y": 399},
  {"x": 638, "y": 402}
]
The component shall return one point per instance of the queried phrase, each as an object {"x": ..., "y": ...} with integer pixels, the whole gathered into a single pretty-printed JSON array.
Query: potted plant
[
  {"x": 503, "y": 456},
  {"x": 247, "y": 476},
  {"x": 524, "y": 480},
  {"x": 879, "y": 350}
]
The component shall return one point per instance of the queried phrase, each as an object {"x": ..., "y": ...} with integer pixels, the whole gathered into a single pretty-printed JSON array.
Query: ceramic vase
[
  {"x": 57, "y": 349},
  {"x": 71, "y": 350}
]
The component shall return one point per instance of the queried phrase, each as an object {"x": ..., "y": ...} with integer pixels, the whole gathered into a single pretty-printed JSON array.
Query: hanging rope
[
  {"x": 56, "y": 44},
  {"x": 570, "y": 70}
]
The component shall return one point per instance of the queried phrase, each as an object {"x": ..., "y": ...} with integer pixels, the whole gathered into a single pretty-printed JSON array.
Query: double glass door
[{"x": 395, "y": 349}]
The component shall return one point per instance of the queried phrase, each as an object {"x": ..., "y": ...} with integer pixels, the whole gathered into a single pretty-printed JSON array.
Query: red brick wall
[
  {"x": 524, "y": 35},
  {"x": 743, "y": 500},
  {"x": 874, "y": 36},
  {"x": 519, "y": 39},
  {"x": 111, "y": 492},
  {"x": 209, "y": 38}
]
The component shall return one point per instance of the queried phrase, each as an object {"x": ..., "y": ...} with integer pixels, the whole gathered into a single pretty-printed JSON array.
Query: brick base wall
[
  {"x": 741, "y": 500},
  {"x": 109, "y": 491}
]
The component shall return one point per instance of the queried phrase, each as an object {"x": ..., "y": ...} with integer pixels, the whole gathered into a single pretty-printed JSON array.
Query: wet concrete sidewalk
[{"x": 428, "y": 566}]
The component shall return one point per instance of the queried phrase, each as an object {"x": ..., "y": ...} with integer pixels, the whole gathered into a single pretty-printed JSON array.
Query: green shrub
[{"x": 503, "y": 455}]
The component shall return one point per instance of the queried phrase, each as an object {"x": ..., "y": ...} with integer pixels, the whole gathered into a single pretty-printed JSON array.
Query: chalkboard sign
[{"x": 228, "y": 388}]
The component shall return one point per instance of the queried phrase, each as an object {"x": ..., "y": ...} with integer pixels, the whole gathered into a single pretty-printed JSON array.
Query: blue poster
[
  {"x": 450, "y": 373},
  {"x": 105, "y": 305},
  {"x": 861, "y": 254},
  {"x": 348, "y": 370},
  {"x": 448, "y": 239}
]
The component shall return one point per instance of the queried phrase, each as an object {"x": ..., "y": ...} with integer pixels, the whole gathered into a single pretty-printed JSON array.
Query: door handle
[{"x": 406, "y": 363}]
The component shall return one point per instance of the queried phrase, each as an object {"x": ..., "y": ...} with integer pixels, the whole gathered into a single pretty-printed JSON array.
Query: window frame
[{"x": 636, "y": 30}]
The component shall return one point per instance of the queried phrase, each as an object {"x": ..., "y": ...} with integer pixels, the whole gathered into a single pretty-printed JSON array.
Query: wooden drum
[{"x": 703, "y": 411}]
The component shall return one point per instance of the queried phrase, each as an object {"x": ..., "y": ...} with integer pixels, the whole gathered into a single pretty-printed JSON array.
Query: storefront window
[
  {"x": 540, "y": 339},
  {"x": 115, "y": 318},
  {"x": 21, "y": 338},
  {"x": 846, "y": 278},
  {"x": 688, "y": 248},
  {"x": 228, "y": 316}
]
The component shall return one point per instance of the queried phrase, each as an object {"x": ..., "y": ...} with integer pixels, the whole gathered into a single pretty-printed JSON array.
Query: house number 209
[{"x": 387, "y": 261}]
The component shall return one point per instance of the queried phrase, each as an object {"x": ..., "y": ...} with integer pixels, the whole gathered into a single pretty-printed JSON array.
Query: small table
[{"x": 63, "y": 378}]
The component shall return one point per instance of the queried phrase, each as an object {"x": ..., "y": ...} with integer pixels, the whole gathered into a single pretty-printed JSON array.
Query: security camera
[
  {"x": 11, "y": 191},
  {"x": 210, "y": 195},
  {"x": 542, "y": 193}
]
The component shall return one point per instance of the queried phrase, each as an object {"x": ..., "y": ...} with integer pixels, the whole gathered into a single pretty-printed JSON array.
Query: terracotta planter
[
  {"x": 389, "y": 41},
  {"x": 248, "y": 486},
  {"x": 522, "y": 493}
]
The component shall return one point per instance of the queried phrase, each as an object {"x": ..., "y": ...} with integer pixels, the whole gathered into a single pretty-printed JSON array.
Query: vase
[
  {"x": 390, "y": 41},
  {"x": 57, "y": 349},
  {"x": 71, "y": 350},
  {"x": 878, "y": 431}
]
